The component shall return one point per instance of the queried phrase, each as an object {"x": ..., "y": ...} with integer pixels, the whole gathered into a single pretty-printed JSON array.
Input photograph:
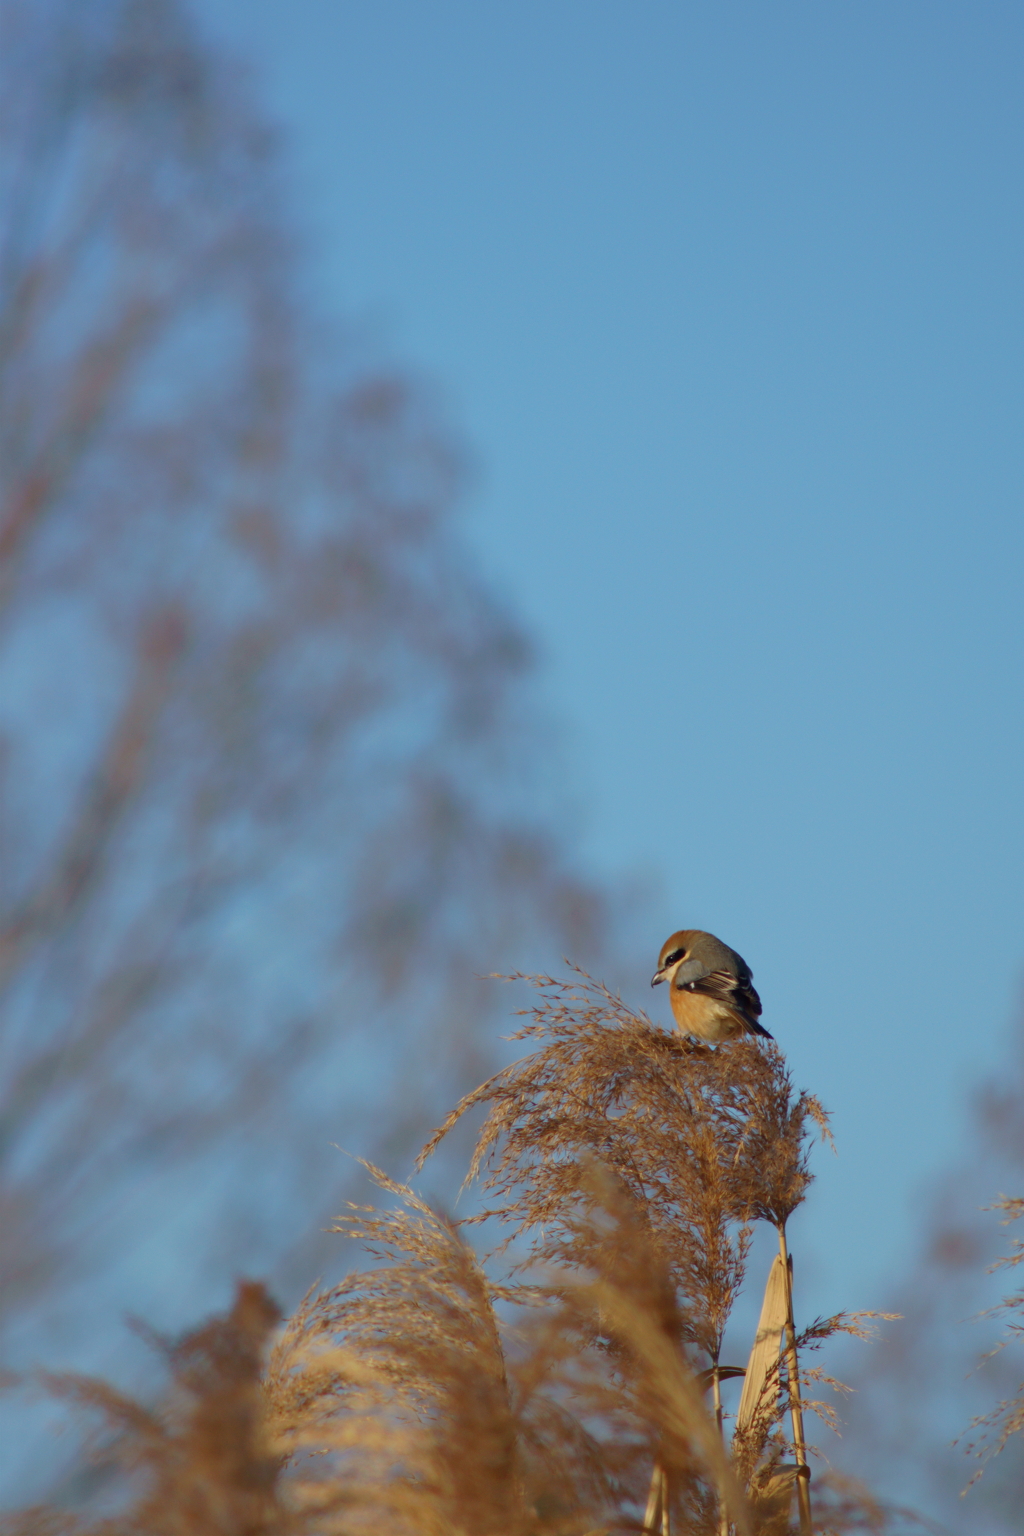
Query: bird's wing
[{"x": 736, "y": 992}]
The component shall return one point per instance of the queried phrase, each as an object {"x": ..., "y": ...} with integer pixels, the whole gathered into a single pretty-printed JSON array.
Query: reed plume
[
  {"x": 202, "y": 1462},
  {"x": 1007, "y": 1419},
  {"x": 567, "y": 1383},
  {"x": 425, "y": 1395},
  {"x": 702, "y": 1142},
  {"x": 686, "y": 1129}
]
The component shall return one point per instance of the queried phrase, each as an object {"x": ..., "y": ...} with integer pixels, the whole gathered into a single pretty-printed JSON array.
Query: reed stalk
[
  {"x": 716, "y": 1398},
  {"x": 803, "y": 1477},
  {"x": 657, "y": 1520}
]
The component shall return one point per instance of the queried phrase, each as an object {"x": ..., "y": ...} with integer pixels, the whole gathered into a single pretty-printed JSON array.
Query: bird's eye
[{"x": 677, "y": 954}]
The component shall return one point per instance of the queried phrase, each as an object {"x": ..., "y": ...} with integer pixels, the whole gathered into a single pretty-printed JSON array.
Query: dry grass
[
  {"x": 440, "y": 1401},
  {"x": 201, "y": 1464},
  {"x": 1007, "y": 1418},
  {"x": 564, "y": 1385},
  {"x": 704, "y": 1141}
]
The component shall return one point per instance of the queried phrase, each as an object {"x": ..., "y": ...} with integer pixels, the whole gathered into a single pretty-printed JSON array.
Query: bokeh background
[{"x": 486, "y": 484}]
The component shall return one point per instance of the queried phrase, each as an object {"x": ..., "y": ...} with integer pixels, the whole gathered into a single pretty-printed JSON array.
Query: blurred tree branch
[{"x": 265, "y": 762}]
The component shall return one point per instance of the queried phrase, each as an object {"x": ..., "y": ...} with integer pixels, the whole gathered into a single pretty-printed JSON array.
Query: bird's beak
[{"x": 658, "y": 976}]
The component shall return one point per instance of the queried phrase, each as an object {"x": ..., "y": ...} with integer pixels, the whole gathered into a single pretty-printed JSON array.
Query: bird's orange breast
[{"x": 706, "y": 1017}]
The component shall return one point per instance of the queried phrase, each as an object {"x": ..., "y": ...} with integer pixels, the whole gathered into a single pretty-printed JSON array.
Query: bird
[{"x": 711, "y": 989}]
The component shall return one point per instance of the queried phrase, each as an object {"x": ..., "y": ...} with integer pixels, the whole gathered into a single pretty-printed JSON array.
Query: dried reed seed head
[
  {"x": 413, "y": 1411},
  {"x": 431, "y": 1406},
  {"x": 203, "y": 1463},
  {"x": 990, "y": 1433},
  {"x": 703, "y": 1140},
  {"x": 421, "y": 1397}
]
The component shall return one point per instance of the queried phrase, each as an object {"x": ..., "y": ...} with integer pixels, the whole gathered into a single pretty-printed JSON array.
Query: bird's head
[{"x": 681, "y": 952}]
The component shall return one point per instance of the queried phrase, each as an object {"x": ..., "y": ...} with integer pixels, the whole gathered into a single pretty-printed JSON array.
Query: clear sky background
[{"x": 725, "y": 300}]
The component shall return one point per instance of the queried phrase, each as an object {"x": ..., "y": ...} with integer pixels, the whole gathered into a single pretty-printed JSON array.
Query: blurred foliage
[
  {"x": 909, "y": 1423},
  {"x": 271, "y": 793}
]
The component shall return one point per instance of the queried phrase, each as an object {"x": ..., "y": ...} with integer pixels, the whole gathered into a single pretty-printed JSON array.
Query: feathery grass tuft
[
  {"x": 203, "y": 1463},
  {"x": 566, "y": 1384},
  {"x": 1007, "y": 1418}
]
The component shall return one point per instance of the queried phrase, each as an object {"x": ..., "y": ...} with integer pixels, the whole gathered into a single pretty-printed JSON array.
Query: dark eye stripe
[{"x": 677, "y": 954}]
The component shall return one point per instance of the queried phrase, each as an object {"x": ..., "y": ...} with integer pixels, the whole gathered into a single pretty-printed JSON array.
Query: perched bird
[{"x": 710, "y": 987}]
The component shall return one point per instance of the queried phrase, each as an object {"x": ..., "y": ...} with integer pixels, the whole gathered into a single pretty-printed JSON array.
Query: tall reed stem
[
  {"x": 803, "y": 1490},
  {"x": 716, "y": 1392},
  {"x": 656, "y": 1519}
]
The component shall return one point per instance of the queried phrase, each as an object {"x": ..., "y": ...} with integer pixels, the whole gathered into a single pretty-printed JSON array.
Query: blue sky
[{"x": 725, "y": 302}]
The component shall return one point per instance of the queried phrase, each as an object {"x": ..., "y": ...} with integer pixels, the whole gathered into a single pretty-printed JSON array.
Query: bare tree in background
[
  {"x": 910, "y": 1432},
  {"x": 269, "y": 790}
]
